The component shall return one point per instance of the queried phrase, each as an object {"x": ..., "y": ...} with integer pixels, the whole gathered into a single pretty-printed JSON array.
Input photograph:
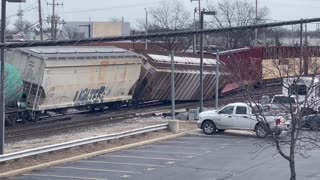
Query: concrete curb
[{"x": 89, "y": 155}]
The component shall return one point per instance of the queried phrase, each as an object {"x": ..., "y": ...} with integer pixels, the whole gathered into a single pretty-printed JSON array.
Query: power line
[
  {"x": 22, "y": 11},
  {"x": 54, "y": 19},
  {"x": 111, "y": 8},
  {"x": 152, "y": 35}
]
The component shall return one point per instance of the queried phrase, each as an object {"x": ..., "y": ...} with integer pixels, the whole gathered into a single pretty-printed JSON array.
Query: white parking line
[
  {"x": 131, "y": 164},
  {"x": 161, "y": 152},
  {"x": 63, "y": 177},
  {"x": 98, "y": 170},
  {"x": 207, "y": 137},
  {"x": 177, "y": 142},
  {"x": 182, "y": 147},
  {"x": 141, "y": 157},
  {"x": 199, "y": 154}
]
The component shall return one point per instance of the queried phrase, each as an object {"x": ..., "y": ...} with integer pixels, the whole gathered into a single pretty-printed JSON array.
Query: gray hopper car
[{"x": 58, "y": 78}]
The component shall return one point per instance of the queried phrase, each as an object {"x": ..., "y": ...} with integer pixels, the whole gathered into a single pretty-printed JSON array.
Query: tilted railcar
[
  {"x": 59, "y": 78},
  {"x": 155, "y": 79}
]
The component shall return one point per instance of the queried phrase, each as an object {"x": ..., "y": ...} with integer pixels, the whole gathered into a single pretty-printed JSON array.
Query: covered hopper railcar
[
  {"x": 155, "y": 79},
  {"x": 59, "y": 78}
]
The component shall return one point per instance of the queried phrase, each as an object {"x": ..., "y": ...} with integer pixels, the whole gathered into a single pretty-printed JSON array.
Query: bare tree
[
  {"x": 8, "y": 31},
  {"x": 298, "y": 105},
  {"x": 169, "y": 16},
  {"x": 232, "y": 13},
  {"x": 23, "y": 26},
  {"x": 116, "y": 19},
  {"x": 73, "y": 33}
]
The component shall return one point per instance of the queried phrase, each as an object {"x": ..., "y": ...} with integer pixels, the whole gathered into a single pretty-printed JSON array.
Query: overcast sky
[{"x": 132, "y": 10}]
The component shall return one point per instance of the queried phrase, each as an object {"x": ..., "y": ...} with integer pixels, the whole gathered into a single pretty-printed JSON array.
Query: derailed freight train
[
  {"x": 55, "y": 79},
  {"x": 58, "y": 78},
  {"x": 155, "y": 79}
]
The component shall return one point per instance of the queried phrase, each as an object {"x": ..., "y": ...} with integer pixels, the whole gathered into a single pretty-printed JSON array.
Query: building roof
[{"x": 77, "y": 51}]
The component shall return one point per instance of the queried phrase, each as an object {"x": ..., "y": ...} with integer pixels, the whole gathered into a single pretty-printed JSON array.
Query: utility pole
[
  {"x": 2, "y": 98},
  {"x": 301, "y": 48},
  {"x": 54, "y": 19},
  {"x": 40, "y": 20},
  {"x": 3, "y": 78},
  {"x": 306, "y": 33},
  {"x": 199, "y": 6},
  {"x": 256, "y": 30},
  {"x": 20, "y": 13},
  {"x": 146, "y": 27}
]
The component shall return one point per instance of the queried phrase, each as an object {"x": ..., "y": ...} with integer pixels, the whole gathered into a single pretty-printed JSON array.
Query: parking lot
[{"x": 228, "y": 156}]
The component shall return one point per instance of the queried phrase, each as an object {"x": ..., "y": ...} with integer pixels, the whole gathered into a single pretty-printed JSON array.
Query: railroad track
[{"x": 76, "y": 122}]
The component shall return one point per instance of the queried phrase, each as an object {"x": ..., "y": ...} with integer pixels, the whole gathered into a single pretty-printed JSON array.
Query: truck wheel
[
  {"x": 261, "y": 131},
  {"x": 314, "y": 126},
  {"x": 208, "y": 127},
  {"x": 277, "y": 133}
]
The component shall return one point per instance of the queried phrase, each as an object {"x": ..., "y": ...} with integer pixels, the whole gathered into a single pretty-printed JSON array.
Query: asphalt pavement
[{"x": 226, "y": 156}]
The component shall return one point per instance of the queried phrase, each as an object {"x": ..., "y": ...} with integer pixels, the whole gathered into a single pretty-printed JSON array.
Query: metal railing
[{"x": 76, "y": 143}]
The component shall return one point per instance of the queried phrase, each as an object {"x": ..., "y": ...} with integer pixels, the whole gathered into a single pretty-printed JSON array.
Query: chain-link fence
[{"x": 255, "y": 55}]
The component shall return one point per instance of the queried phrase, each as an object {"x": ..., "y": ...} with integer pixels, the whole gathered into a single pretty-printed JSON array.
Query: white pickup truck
[{"x": 242, "y": 117}]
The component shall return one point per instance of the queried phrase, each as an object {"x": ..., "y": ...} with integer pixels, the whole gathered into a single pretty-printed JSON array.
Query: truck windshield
[
  {"x": 298, "y": 89},
  {"x": 283, "y": 100}
]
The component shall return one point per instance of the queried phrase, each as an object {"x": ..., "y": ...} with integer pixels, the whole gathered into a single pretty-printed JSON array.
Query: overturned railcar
[
  {"x": 155, "y": 79},
  {"x": 57, "y": 78}
]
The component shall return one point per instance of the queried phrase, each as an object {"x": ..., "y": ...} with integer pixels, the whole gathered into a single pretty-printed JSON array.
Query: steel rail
[{"x": 76, "y": 143}]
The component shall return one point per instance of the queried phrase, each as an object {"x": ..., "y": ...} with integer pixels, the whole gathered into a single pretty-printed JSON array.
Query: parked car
[
  {"x": 282, "y": 104},
  {"x": 242, "y": 117},
  {"x": 311, "y": 121}
]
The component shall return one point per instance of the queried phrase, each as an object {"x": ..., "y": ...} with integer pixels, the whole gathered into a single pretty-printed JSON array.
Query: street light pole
[
  {"x": 201, "y": 61},
  {"x": 194, "y": 28},
  {"x": 172, "y": 88},
  {"x": 217, "y": 77},
  {"x": 202, "y": 13}
]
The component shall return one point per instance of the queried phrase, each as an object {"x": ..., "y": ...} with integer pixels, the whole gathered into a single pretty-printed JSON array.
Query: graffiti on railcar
[{"x": 94, "y": 95}]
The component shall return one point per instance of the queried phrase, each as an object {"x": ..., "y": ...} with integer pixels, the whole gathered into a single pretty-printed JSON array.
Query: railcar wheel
[{"x": 36, "y": 116}]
